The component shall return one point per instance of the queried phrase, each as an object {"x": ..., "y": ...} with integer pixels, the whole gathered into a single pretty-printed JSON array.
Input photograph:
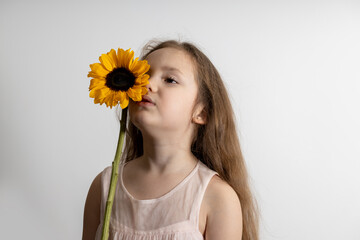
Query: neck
[{"x": 167, "y": 154}]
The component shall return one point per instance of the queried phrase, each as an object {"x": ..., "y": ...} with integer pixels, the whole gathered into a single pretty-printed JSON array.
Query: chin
[{"x": 143, "y": 123}]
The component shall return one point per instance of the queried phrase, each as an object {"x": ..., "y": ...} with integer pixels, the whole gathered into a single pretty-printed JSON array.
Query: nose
[{"x": 152, "y": 87}]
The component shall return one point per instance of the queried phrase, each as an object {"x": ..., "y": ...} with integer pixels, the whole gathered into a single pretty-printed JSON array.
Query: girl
[{"x": 183, "y": 175}]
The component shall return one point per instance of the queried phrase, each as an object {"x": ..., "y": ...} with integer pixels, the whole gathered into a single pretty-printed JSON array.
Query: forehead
[{"x": 171, "y": 58}]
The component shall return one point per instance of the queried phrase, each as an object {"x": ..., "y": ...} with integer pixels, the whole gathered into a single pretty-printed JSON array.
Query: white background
[{"x": 292, "y": 69}]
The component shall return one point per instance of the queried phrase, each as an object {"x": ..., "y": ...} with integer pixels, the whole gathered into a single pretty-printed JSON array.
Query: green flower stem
[{"x": 114, "y": 176}]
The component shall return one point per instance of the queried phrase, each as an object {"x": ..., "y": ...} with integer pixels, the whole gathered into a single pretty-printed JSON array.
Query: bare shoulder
[
  {"x": 223, "y": 208},
  {"x": 92, "y": 209}
]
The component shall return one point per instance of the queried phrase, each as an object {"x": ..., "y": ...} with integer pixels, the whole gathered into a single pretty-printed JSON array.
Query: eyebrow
[{"x": 171, "y": 69}]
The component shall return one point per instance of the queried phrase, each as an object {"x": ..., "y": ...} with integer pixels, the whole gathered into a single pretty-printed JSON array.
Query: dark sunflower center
[{"x": 120, "y": 79}]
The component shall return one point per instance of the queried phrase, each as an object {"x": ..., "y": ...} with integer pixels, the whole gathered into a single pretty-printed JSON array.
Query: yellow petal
[
  {"x": 122, "y": 96},
  {"x": 106, "y": 101},
  {"x": 125, "y": 102},
  {"x": 129, "y": 58},
  {"x": 136, "y": 89},
  {"x": 120, "y": 56},
  {"x": 109, "y": 99},
  {"x": 94, "y": 75},
  {"x": 117, "y": 96},
  {"x": 115, "y": 102},
  {"x": 96, "y": 101},
  {"x": 96, "y": 83},
  {"x": 139, "y": 67},
  {"x": 112, "y": 99},
  {"x": 142, "y": 80},
  {"x": 113, "y": 57},
  {"x": 125, "y": 57},
  {"x": 120, "y": 53},
  {"x": 93, "y": 92},
  {"x": 98, "y": 70},
  {"x": 101, "y": 93},
  {"x": 101, "y": 101},
  {"x": 106, "y": 62},
  {"x": 131, "y": 63},
  {"x": 130, "y": 93},
  {"x": 134, "y": 94}
]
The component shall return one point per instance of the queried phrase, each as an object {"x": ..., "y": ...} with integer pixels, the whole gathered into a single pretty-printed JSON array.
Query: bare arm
[
  {"x": 92, "y": 210},
  {"x": 224, "y": 217}
]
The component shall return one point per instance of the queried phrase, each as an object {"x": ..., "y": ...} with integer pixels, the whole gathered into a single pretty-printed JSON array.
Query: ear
[{"x": 199, "y": 116}]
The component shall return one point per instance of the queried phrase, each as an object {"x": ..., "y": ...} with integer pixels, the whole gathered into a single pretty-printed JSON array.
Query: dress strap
[{"x": 203, "y": 179}]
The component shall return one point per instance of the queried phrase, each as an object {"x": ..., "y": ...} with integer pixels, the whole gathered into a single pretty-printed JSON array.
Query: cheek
[{"x": 179, "y": 106}]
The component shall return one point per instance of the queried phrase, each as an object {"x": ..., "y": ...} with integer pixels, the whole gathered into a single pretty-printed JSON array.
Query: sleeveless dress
[{"x": 173, "y": 216}]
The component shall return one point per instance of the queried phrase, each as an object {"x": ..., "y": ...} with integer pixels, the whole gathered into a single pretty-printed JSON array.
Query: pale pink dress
[{"x": 174, "y": 215}]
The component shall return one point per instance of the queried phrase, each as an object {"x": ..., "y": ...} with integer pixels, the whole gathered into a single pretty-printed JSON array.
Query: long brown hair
[{"x": 215, "y": 143}]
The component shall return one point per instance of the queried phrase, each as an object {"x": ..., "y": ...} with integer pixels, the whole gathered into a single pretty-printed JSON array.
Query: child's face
[{"x": 172, "y": 92}]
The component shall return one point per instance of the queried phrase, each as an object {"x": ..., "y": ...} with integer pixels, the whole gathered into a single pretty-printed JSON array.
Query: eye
[{"x": 170, "y": 80}]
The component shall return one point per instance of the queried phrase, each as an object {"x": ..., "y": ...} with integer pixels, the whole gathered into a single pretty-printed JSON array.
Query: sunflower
[{"x": 117, "y": 77}]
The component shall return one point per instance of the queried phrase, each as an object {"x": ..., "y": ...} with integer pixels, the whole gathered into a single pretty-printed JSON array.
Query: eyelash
[{"x": 170, "y": 80}]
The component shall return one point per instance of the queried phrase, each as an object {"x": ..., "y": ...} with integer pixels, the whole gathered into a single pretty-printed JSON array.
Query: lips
[{"x": 146, "y": 100}]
